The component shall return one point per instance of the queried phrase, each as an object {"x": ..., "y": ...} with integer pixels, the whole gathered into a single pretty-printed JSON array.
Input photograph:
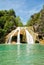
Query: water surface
[{"x": 23, "y": 54}]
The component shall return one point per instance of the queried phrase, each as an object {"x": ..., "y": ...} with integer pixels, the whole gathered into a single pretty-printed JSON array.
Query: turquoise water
[{"x": 23, "y": 54}]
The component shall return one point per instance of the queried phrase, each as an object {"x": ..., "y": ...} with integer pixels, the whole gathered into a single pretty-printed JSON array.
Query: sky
[{"x": 23, "y": 8}]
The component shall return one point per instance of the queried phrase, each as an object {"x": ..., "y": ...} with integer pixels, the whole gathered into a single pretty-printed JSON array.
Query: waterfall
[
  {"x": 10, "y": 38},
  {"x": 18, "y": 37},
  {"x": 29, "y": 37},
  {"x": 9, "y": 42}
]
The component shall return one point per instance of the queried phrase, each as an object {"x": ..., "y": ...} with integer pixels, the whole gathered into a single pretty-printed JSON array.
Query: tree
[
  {"x": 12, "y": 12},
  {"x": 37, "y": 21},
  {"x": 18, "y": 21},
  {"x": 8, "y": 22}
]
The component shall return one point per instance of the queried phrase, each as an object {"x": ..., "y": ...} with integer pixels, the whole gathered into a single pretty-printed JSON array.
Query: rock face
[
  {"x": 22, "y": 35},
  {"x": 37, "y": 38},
  {"x": 41, "y": 41},
  {"x": 37, "y": 22}
]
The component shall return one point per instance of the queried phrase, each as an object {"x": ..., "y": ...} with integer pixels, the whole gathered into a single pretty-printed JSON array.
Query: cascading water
[
  {"x": 10, "y": 38},
  {"x": 29, "y": 37},
  {"x": 18, "y": 37},
  {"x": 9, "y": 42}
]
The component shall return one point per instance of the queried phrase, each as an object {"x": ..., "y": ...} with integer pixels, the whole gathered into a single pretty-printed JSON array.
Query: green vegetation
[
  {"x": 8, "y": 22},
  {"x": 37, "y": 21}
]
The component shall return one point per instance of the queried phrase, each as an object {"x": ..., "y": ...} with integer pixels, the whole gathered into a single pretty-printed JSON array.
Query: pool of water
[{"x": 23, "y": 54}]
